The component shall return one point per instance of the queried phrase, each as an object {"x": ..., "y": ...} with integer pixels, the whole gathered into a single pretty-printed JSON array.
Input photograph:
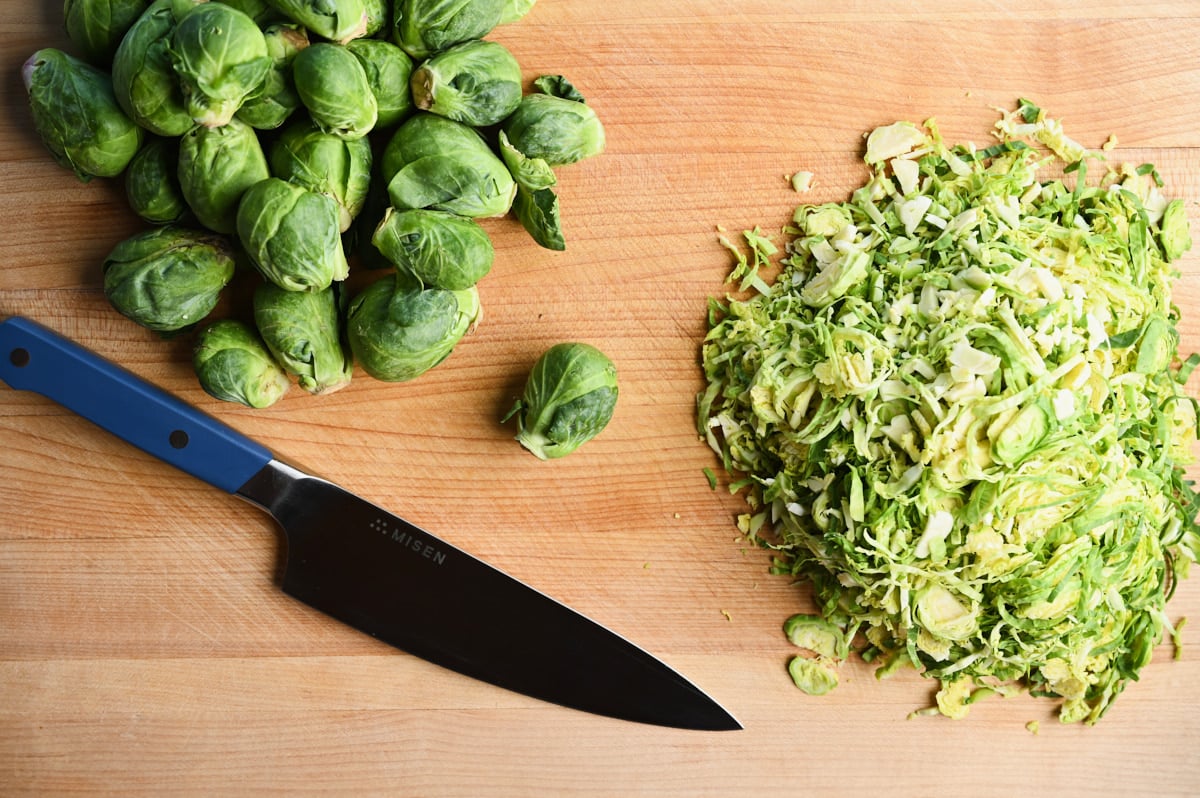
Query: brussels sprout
[
  {"x": 168, "y": 278},
  {"x": 379, "y": 14},
  {"x": 233, "y": 365},
  {"x": 216, "y": 166},
  {"x": 144, "y": 79},
  {"x": 276, "y": 98},
  {"x": 476, "y": 82},
  {"x": 434, "y": 162},
  {"x": 333, "y": 86},
  {"x": 152, "y": 185},
  {"x": 425, "y": 27},
  {"x": 292, "y": 235},
  {"x": 336, "y": 20},
  {"x": 326, "y": 164},
  {"x": 515, "y": 10},
  {"x": 569, "y": 398},
  {"x": 388, "y": 70},
  {"x": 557, "y": 130},
  {"x": 76, "y": 115},
  {"x": 220, "y": 56},
  {"x": 440, "y": 249},
  {"x": 303, "y": 331},
  {"x": 398, "y": 330},
  {"x": 96, "y": 27}
]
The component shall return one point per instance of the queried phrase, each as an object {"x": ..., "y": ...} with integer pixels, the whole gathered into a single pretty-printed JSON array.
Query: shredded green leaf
[{"x": 957, "y": 412}]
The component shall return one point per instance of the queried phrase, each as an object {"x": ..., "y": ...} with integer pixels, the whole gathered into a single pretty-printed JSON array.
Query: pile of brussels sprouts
[{"x": 295, "y": 137}]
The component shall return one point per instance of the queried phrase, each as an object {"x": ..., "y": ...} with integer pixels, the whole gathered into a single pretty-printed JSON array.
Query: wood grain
[{"x": 145, "y": 648}]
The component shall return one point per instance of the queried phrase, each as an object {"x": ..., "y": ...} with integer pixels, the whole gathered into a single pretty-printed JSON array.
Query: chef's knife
[{"x": 365, "y": 566}]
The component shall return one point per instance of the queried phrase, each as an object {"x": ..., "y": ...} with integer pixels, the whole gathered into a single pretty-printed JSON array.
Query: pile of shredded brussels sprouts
[{"x": 958, "y": 413}]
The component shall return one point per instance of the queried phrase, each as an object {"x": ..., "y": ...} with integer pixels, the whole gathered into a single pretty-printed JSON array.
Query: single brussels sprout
[
  {"x": 557, "y": 130},
  {"x": 144, "y": 79},
  {"x": 276, "y": 98},
  {"x": 515, "y": 10},
  {"x": 398, "y": 330},
  {"x": 233, "y": 365},
  {"x": 152, "y": 182},
  {"x": 326, "y": 164},
  {"x": 388, "y": 70},
  {"x": 168, "y": 278},
  {"x": 476, "y": 82},
  {"x": 220, "y": 56},
  {"x": 216, "y": 166},
  {"x": 333, "y": 86},
  {"x": 96, "y": 27},
  {"x": 568, "y": 399},
  {"x": 425, "y": 27},
  {"x": 77, "y": 116},
  {"x": 291, "y": 234},
  {"x": 302, "y": 329},
  {"x": 442, "y": 250},
  {"x": 434, "y": 162},
  {"x": 336, "y": 20}
]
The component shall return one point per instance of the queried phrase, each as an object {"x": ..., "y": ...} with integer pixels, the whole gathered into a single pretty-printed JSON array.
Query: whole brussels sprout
[
  {"x": 336, "y": 20},
  {"x": 168, "y": 278},
  {"x": 152, "y": 185},
  {"x": 220, "y": 56},
  {"x": 398, "y": 330},
  {"x": 96, "y": 27},
  {"x": 143, "y": 75},
  {"x": 388, "y": 70},
  {"x": 476, "y": 82},
  {"x": 425, "y": 27},
  {"x": 568, "y": 399},
  {"x": 333, "y": 86},
  {"x": 233, "y": 365},
  {"x": 216, "y": 166},
  {"x": 555, "y": 129},
  {"x": 326, "y": 164},
  {"x": 302, "y": 329},
  {"x": 276, "y": 98},
  {"x": 77, "y": 116},
  {"x": 440, "y": 249},
  {"x": 434, "y": 162},
  {"x": 291, "y": 234}
]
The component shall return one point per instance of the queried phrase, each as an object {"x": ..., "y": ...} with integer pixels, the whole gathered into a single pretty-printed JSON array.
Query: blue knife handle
[{"x": 34, "y": 358}]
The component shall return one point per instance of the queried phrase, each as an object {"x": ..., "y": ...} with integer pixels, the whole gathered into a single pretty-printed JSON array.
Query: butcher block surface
[{"x": 145, "y": 647}]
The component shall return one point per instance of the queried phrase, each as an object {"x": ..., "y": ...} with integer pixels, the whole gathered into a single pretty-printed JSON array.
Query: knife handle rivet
[
  {"x": 178, "y": 439},
  {"x": 19, "y": 357}
]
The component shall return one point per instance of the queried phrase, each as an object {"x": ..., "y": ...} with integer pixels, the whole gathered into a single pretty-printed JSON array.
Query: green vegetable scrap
[
  {"x": 307, "y": 137},
  {"x": 957, "y": 413},
  {"x": 569, "y": 398}
]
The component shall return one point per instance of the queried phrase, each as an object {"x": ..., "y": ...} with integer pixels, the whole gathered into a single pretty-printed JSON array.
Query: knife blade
[{"x": 365, "y": 566}]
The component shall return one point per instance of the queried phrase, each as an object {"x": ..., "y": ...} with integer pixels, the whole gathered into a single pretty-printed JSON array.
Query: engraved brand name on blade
[{"x": 410, "y": 541}]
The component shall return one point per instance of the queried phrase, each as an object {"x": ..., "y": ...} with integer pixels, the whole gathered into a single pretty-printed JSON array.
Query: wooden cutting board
[{"x": 145, "y": 648}]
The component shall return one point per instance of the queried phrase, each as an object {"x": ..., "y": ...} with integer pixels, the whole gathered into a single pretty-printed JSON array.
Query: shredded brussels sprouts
[{"x": 957, "y": 411}]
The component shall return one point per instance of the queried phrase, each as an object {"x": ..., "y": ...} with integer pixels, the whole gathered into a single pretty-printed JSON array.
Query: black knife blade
[{"x": 365, "y": 566}]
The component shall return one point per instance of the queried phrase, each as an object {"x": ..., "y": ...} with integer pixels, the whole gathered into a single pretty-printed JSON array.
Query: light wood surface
[{"x": 145, "y": 648}]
